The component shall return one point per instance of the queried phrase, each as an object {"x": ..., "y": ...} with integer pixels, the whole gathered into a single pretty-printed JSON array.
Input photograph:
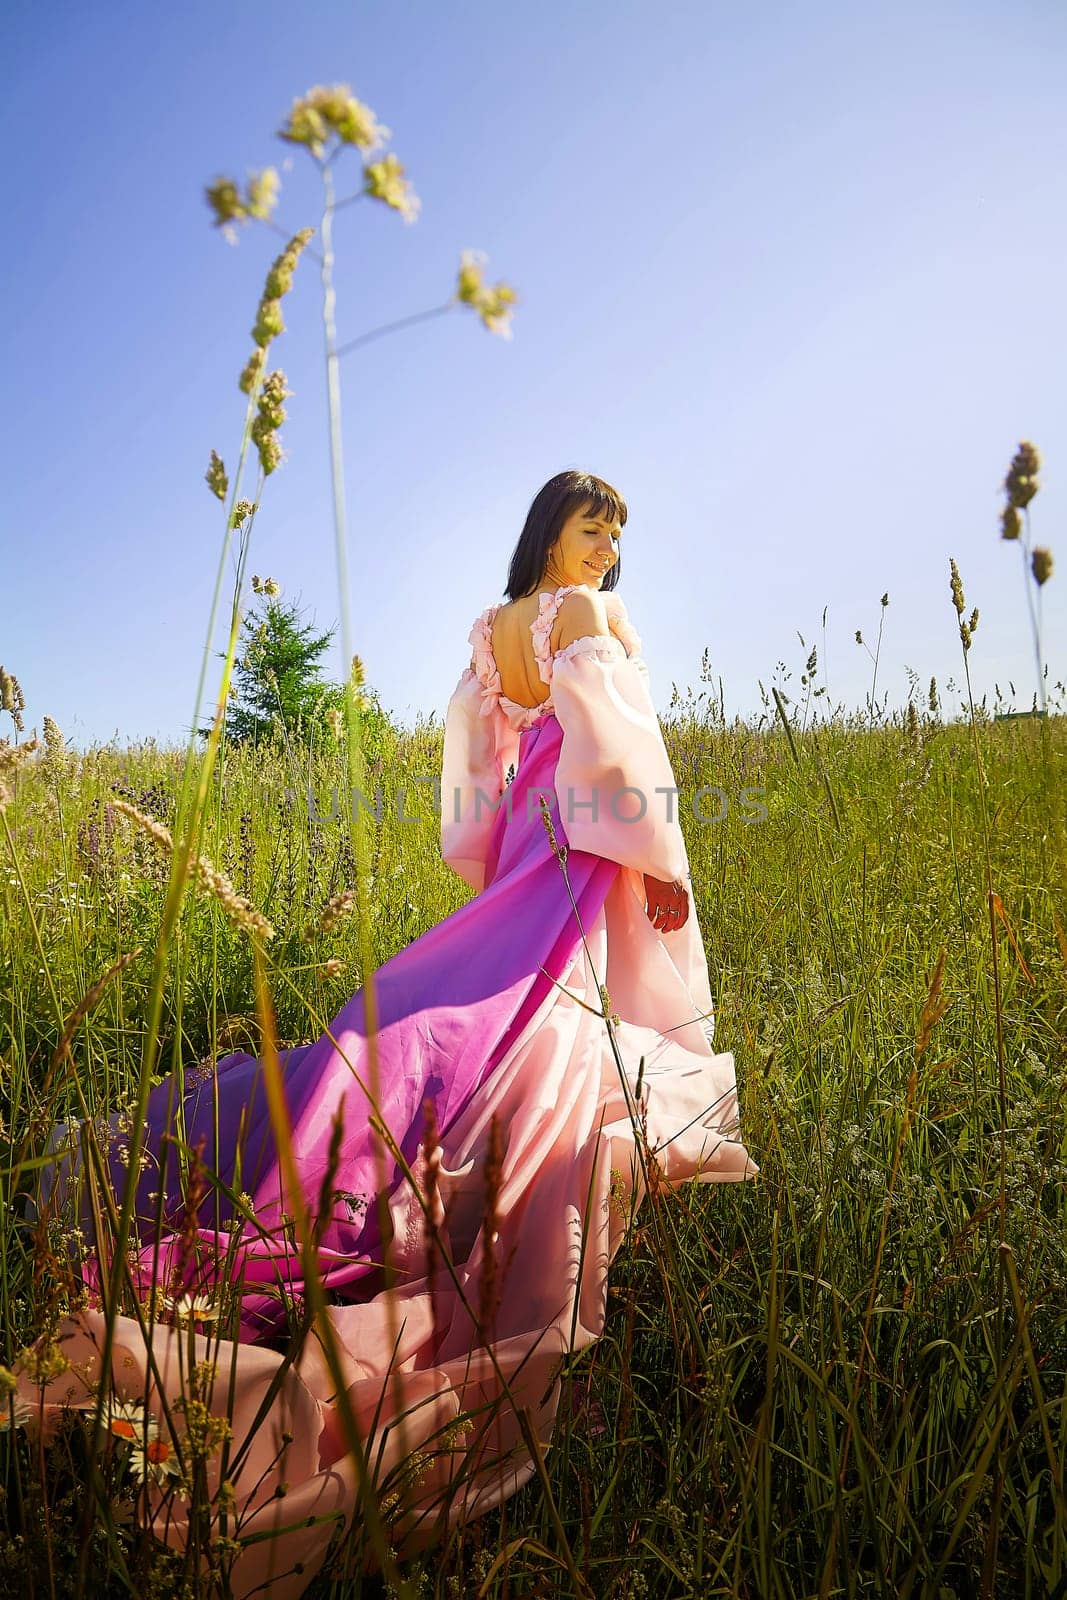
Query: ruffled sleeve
[
  {"x": 479, "y": 746},
  {"x": 623, "y": 628},
  {"x": 614, "y": 782}
]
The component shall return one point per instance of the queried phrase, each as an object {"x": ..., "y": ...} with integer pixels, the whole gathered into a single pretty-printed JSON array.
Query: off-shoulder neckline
[{"x": 519, "y": 715}]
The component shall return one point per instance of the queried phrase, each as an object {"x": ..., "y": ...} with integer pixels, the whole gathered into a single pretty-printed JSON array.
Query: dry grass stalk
[
  {"x": 488, "y": 1291},
  {"x": 193, "y": 1192},
  {"x": 12, "y": 698},
  {"x": 12, "y": 757},
  {"x": 431, "y": 1155},
  {"x": 86, "y": 1004},
  {"x": 934, "y": 1008},
  {"x": 238, "y": 909},
  {"x": 331, "y": 914}
]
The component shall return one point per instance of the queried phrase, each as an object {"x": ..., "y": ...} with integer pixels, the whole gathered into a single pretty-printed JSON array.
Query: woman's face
[{"x": 587, "y": 547}]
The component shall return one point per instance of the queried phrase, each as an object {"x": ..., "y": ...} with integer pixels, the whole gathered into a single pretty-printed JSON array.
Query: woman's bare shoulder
[{"x": 581, "y": 613}]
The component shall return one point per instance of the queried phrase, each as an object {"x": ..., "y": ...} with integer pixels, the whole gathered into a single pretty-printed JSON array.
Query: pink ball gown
[{"x": 493, "y": 1016}]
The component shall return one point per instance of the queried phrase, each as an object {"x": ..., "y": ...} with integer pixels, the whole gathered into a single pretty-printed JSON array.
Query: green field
[{"x": 844, "y": 1378}]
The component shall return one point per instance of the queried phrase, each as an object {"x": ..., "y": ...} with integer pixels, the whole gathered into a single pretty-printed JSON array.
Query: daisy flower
[
  {"x": 129, "y": 1421},
  {"x": 14, "y": 1413},
  {"x": 154, "y": 1458},
  {"x": 193, "y": 1308}
]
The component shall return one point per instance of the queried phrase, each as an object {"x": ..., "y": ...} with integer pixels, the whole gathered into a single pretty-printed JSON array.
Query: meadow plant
[{"x": 799, "y": 1383}]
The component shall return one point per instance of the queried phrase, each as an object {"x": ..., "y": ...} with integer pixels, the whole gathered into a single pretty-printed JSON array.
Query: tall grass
[{"x": 847, "y": 1378}]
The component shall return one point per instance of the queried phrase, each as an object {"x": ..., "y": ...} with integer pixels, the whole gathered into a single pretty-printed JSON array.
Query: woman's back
[
  {"x": 513, "y": 651},
  {"x": 581, "y": 611}
]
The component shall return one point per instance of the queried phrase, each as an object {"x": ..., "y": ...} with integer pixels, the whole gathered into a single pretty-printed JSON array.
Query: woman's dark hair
[{"x": 552, "y": 505}]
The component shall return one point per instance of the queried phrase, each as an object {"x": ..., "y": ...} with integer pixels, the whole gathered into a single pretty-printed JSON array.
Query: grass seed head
[
  {"x": 332, "y": 110},
  {"x": 55, "y": 744},
  {"x": 240, "y": 912},
  {"x": 493, "y": 304},
  {"x": 384, "y": 180},
  {"x": 1041, "y": 565},
  {"x": 155, "y": 830},
  {"x": 558, "y": 850},
  {"x": 1021, "y": 483},
  {"x": 1010, "y": 523},
  {"x": 252, "y": 369},
  {"x": 215, "y": 476},
  {"x": 270, "y": 454},
  {"x": 12, "y": 756},
  {"x": 237, "y": 908},
  {"x": 262, "y": 189},
  {"x": 224, "y": 198},
  {"x": 269, "y": 323},
  {"x": 270, "y": 400},
  {"x": 12, "y": 698},
  {"x": 335, "y": 908}
]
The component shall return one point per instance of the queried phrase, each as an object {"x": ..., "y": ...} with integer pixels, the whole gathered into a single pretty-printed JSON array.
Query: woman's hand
[{"x": 668, "y": 904}]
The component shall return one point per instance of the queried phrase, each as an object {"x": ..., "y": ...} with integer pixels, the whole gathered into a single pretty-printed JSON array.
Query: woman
[{"x": 528, "y": 1056}]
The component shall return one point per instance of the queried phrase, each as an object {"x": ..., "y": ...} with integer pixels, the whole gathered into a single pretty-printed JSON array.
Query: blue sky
[{"x": 791, "y": 277}]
